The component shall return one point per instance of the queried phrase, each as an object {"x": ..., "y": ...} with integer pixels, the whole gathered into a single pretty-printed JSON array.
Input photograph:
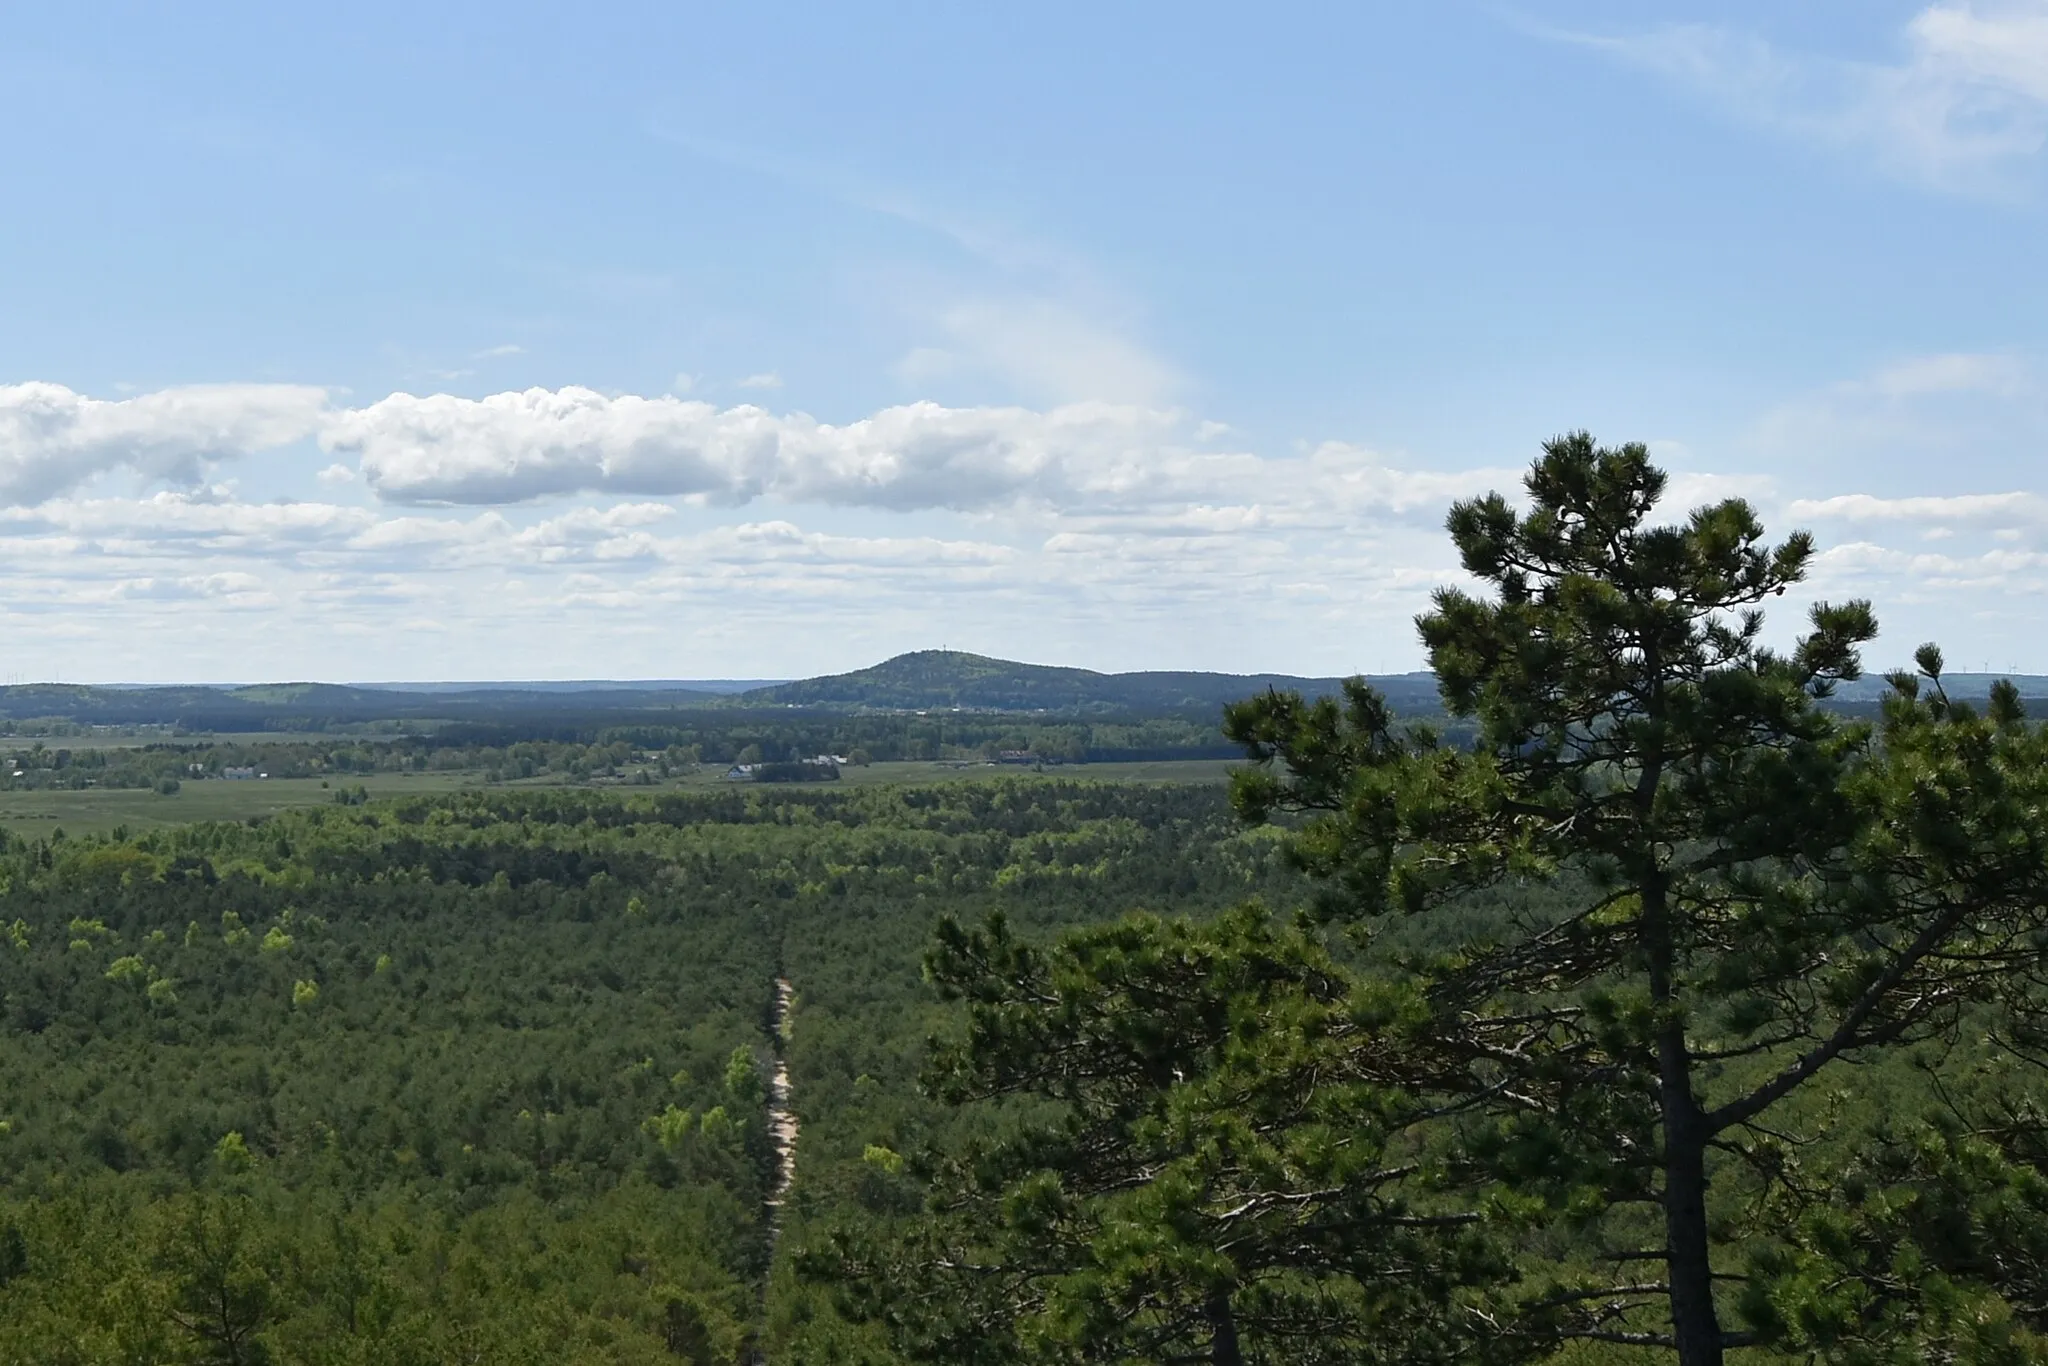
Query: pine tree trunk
[
  {"x": 1695, "y": 1327},
  {"x": 1694, "y": 1324},
  {"x": 1223, "y": 1349}
]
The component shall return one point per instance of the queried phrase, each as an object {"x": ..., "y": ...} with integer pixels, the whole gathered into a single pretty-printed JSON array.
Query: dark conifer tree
[
  {"x": 1212, "y": 1157},
  {"x": 1760, "y": 889}
]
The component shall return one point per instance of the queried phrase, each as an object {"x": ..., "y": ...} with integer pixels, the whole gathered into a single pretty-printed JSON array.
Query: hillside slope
[{"x": 930, "y": 679}]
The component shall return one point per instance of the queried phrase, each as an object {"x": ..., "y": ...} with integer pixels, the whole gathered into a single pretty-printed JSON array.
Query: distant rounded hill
[{"x": 941, "y": 679}]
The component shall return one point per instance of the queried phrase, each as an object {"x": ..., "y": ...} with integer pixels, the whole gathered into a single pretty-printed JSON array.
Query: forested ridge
[
  {"x": 937, "y": 679},
  {"x": 928, "y": 680}
]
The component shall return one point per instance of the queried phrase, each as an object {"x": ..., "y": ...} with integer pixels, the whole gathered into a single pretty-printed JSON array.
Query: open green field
[
  {"x": 1157, "y": 771},
  {"x": 94, "y": 810},
  {"x": 36, "y": 815}
]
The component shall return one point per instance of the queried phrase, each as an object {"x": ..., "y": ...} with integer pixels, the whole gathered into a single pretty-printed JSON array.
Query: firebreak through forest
[{"x": 481, "y": 1078}]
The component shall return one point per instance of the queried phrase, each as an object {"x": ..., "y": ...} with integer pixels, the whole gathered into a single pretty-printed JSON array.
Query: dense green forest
[{"x": 483, "y": 1077}]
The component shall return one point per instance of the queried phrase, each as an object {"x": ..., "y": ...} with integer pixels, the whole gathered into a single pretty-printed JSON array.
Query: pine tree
[
  {"x": 1207, "y": 1155},
  {"x": 1758, "y": 889}
]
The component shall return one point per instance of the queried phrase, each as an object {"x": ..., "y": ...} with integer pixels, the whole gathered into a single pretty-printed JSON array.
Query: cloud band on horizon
[
  {"x": 595, "y": 518},
  {"x": 1088, "y": 459}
]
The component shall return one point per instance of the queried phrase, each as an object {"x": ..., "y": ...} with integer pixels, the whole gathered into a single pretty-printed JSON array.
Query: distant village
[{"x": 767, "y": 772}]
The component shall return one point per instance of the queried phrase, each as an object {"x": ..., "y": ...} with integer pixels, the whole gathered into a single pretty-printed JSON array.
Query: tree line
[{"x": 632, "y": 753}]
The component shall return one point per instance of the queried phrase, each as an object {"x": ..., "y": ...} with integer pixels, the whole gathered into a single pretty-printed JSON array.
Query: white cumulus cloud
[
  {"x": 52, "y": 439},
  {"x": 512, "y": 447}
]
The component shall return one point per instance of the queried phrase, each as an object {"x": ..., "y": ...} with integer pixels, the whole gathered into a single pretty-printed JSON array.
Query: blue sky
[{"x": 660, "y": 341}]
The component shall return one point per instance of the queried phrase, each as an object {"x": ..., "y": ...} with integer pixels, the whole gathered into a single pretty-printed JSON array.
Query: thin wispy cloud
[
  {"x": 1962, "y": 107},
  {"x": 1049, "y": 351},
  {"x": 1917, "y": 408},
  {"x": 1024, "y": 312},
  {"x": 991, "y": 242}
]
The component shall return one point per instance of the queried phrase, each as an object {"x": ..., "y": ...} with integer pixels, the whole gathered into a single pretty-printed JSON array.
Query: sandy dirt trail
[
  {"x": 782, "y": 1131},
  {"x": 781, "y": 1119}
]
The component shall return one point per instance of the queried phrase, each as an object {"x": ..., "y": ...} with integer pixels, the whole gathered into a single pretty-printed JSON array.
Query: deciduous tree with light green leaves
[{"x": 1757, "y": 890}]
